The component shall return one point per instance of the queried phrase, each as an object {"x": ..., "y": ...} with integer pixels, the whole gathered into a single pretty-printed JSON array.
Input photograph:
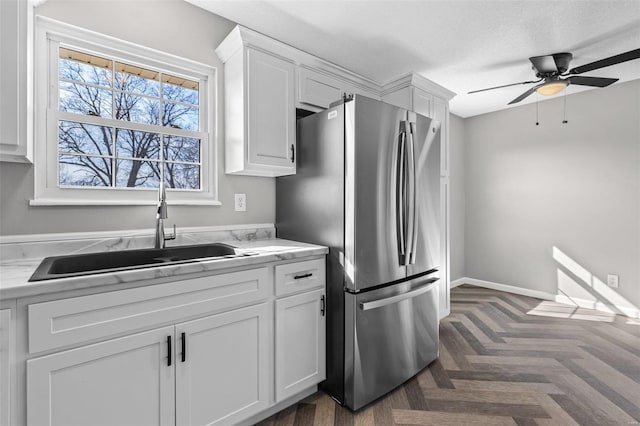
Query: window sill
[{"x": 118, "y": 202}]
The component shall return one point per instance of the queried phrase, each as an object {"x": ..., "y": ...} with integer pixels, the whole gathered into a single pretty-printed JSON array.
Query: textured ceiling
[{"x": 461, "y": 45}]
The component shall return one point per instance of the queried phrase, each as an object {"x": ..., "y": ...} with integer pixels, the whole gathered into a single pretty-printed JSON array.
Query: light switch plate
[
  {"x": 241, "y": 202},
  {"x": 612, "y": 281}
]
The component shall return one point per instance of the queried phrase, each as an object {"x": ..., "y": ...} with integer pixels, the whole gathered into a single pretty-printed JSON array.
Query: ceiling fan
[{"x": 554, "y": 75}]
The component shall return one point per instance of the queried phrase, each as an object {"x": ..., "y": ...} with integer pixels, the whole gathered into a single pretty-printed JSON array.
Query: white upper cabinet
[
  {"x": 259, "y": 110},
  {"x": 411, "y": 98},
  {"x": 264, "y": 82},
  {"x": 16, "y": 27},
  {"x": 423, "y": 102},
  {"x": 318, "y": 89},
  {"x": 271, "y": 126}
]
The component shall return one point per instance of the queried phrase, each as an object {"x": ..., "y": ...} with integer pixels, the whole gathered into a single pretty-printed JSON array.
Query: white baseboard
[
  {"x": 582, "y": 303},
  {"x": 458, "y": 282}
]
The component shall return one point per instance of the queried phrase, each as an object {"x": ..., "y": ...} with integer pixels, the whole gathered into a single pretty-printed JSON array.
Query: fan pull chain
[
  {"x": 564, "y": 118},
  {"x": 537, "y": 122}
]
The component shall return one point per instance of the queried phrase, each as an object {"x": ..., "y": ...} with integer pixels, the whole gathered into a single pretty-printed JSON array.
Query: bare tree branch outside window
[{"x": 106, "y": 155}]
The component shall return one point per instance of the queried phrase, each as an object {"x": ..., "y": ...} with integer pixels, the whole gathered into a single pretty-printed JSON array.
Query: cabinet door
[
  {"x": 318, "y": 89},
  {"x": 401, "y": 98},
  {"x": 222, "y": 375},
  {"x": 300, "y": 342},
  {"x": 271, "y": 111},
  {"x": 422, "y": 102},
  {"x": 124, "y": 381},
  {"x": 15, "y": 73},
  {"x": 6, "y": 351}
]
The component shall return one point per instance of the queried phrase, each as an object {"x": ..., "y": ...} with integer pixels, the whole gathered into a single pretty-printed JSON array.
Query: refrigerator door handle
[
  {"x": 411, "y": 236},
  {"x": 400, "y": 196},
  {"x": 414, "y": 209},
  {"x": 429, "y": 285}
]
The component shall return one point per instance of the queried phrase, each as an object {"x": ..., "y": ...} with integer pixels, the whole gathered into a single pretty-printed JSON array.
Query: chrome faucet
[{"x": 161, "y": 214}]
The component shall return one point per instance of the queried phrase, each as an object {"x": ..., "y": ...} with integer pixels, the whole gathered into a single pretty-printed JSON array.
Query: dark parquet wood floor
[{"x": 508, "y": 360}]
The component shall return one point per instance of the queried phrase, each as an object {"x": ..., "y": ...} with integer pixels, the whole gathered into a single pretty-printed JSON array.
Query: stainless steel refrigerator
[{"x": 368, "y": 186}]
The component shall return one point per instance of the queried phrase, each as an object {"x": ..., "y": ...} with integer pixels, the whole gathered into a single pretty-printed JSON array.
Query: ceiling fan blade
[
  {"x": 591, "y": 81},
  {"x": 544, "y": 64},
  {"x": 562, "y": 61},
  {"x": 506, "y": 85},
  {"x": 524, "y": 95},
  {"x": 607, "y": 62}
]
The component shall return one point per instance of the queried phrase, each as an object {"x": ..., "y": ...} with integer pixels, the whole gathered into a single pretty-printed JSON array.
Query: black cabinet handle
[
  {"x": 184, "y": 347},
  {"x": 293, "y": 154},
  {"x": 299, "y": 277},
  {"x": 169, "y": 351},
  {"x": 322, "y": 307}
]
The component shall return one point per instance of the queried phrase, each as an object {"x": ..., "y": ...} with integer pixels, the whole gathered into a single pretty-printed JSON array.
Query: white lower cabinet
[
  {"x": 124, "y": 381},
  {"x": 222, "y": 367},
  {"x": 212, "y": 370},
  {"x": 6, "y": 355},
  {"x": 300, "y": 342}
]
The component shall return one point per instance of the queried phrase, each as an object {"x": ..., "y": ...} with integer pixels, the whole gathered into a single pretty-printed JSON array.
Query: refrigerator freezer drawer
[{"x": 395, "y": 336}]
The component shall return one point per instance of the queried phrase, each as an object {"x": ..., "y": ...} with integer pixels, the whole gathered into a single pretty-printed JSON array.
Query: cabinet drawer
[
  {"x": 79, "y": 319},
  {"x": 299, "y": 276}
]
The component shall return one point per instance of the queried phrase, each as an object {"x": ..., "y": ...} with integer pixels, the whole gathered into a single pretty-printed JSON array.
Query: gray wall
[
  {"x": 556, "y": 207},
  {"x": 457, "y": 137},
  {"x": 172, "y": 26}
]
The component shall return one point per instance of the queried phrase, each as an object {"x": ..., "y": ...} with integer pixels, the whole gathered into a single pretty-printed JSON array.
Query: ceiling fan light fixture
[{"x": 551, "y": 88}]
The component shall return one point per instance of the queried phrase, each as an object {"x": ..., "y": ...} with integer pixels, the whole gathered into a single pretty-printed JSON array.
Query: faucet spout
[{"x": 161, "y": 214}]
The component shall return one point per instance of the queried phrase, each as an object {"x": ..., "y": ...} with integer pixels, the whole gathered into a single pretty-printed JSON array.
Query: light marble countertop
[{"x": 14, "y": 274}]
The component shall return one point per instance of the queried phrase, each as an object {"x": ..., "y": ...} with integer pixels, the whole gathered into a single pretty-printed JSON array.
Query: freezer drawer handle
[
  {"x": 293, "y": 154},
  {"x": 431, "y": 283},
  {"x": 299, "y": 277}
]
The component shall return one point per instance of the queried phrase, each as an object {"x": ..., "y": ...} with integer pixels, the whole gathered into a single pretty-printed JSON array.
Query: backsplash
[{"x": 43, "y": 245}]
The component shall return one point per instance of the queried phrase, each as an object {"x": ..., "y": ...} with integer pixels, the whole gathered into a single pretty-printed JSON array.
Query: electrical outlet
[
  {"x": 612, "y": 281},
  {"x": 241, "y": 202}
]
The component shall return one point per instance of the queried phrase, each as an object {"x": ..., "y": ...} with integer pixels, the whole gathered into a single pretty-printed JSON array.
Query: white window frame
[{"x": 51, "y": 34}]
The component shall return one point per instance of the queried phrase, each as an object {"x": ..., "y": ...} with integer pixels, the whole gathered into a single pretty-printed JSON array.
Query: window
[{"x": 120, "y": 119}]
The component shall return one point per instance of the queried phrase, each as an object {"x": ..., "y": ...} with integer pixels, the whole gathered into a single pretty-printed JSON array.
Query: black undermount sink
[{"x": 111, "y": 261}]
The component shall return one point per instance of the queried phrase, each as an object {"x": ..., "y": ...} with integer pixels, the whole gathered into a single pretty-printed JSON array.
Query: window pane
[
  {"x": 84, "y": 67},
  {"x": 183, "y": 176},
  {"x": 180, "y": 93},
  {"x": 80, "y": 170},
  {"x": 83, "y": 138},
  {"x": 177, "y": 148},
  {"x": 130, "y": 143},
  {"x": 180, "y": 116},
  {"x": 135, "y": 174},
  {"x": 135, "y": 79},
  {"x": 137, "y": 108},
  {"x": 87, "y": 100}
]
